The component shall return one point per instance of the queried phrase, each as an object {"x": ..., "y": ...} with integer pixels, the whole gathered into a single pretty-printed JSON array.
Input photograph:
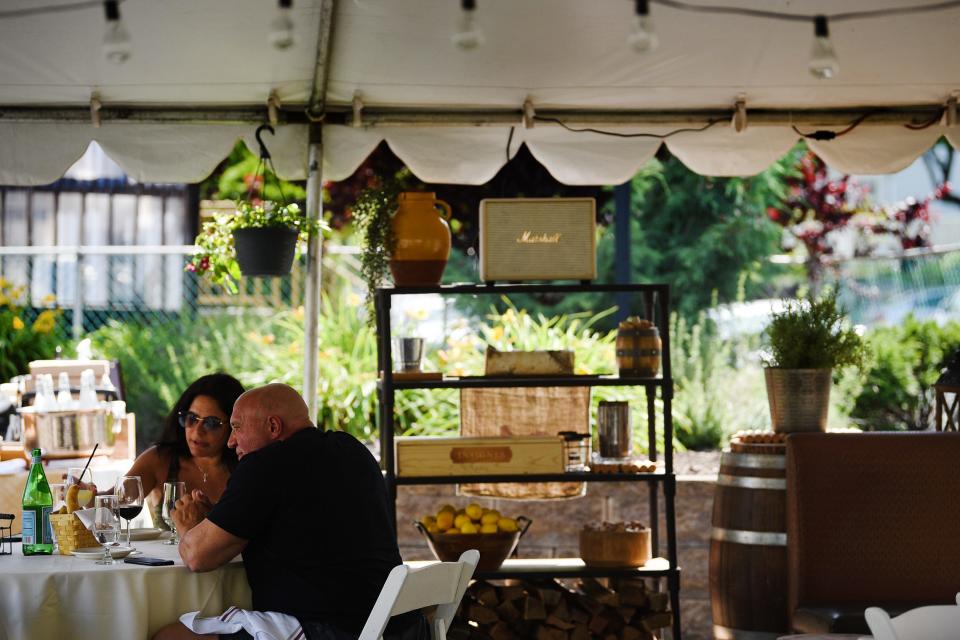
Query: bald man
[{"x": 307, "y": 509}]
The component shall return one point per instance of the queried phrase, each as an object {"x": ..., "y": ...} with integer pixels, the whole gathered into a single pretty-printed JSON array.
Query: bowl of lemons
[{"x": 452, "y": 531}]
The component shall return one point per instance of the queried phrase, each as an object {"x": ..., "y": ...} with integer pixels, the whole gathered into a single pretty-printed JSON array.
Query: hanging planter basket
[{"x": 265, "y": 251}]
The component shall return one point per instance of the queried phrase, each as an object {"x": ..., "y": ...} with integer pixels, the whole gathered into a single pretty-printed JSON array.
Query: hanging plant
[
  {"x": 372, "y": 213},
  {"x": 262, "y": 238}
]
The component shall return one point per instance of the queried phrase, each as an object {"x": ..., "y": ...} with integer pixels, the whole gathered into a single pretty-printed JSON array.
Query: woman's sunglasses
[{"x": 190, "y": 419}]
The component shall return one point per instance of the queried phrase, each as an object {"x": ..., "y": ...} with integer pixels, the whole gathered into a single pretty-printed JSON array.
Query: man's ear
[{"x": 275, "y": 426}]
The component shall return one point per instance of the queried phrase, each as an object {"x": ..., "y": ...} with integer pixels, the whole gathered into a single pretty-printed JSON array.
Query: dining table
[{"x": 63, "y": 597}]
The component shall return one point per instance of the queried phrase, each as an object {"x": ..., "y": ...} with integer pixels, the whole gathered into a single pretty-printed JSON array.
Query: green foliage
[
  {"x": 216, "y": 256},
  {"x": 896, "y": 390},
  {"x": 23, "y": 340},
  {"x": 373, "y": 212},
  {"x": 240, "y": 174},
  {"x": 718, "y": 386},
  {"x": 813, "y": 334}
]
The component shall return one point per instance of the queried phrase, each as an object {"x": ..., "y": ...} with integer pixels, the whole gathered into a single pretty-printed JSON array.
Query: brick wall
[{"x": 556, "y": 526}]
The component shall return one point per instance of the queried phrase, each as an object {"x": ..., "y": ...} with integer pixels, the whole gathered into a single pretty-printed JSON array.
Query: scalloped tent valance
[{"x": 563, "y": 55}]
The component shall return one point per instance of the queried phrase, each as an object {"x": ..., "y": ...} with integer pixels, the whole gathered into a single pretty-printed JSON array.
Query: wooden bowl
[
  {"x": 615, "y": 548},
  {"x": 494, "y": 548}
]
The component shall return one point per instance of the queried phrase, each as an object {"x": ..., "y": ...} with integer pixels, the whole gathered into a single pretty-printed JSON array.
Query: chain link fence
[{"x": 145, "y": 285}]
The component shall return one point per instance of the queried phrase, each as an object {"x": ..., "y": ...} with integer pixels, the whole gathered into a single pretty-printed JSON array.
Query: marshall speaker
[{"x": 538, "y": 239}]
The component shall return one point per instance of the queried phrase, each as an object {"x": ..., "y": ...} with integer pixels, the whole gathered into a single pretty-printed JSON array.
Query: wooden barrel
[
  {"x": 638, "y": 351},
  {"x": 748, "y": 548}
]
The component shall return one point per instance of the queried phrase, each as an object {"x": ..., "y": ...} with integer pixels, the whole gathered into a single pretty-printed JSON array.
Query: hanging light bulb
[
  {"x": 641, "y": 37},
  {"x": 468, "y": 35},
  {"x": 116, "y": 40},
  {"x": 823, "y": 59},
  {"x": 281, "y": 27}
]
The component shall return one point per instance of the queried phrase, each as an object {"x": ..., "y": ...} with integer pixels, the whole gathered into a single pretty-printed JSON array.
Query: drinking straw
[{"x": 97, "y": 444}]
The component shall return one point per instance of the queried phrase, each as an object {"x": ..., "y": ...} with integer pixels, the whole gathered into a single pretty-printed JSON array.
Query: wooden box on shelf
[{"x": 433, "y": 456}]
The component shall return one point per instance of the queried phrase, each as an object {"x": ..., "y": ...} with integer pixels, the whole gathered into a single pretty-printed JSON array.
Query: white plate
[
  {"x": 95, "y": 553},
  {"x": 145, "y": 534}
]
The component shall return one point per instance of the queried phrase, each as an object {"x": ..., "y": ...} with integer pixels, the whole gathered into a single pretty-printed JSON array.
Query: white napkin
[
  {"x": 262, "y": 625},
  {"x": 87, "y": 517}
]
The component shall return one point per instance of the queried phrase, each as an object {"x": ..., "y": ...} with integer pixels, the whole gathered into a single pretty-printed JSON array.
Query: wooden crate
[{"x": 431, "y": 456}]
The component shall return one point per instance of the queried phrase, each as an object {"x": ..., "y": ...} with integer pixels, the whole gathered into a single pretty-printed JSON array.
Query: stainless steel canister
[
  {"x": 408, "y": 352},
  {"x": 614, "y": 428}
]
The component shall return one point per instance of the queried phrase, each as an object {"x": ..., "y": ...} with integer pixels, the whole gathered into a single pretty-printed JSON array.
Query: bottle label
[
  {"x": 47, "y": 528},
  {"x": 29, "y": 527}
]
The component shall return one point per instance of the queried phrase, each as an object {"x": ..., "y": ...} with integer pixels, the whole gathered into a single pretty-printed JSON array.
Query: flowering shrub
[
  {"x": 216, "y": 256},
  {"x": 22, "y": 341},
  {"x": 817, "y": 206}
]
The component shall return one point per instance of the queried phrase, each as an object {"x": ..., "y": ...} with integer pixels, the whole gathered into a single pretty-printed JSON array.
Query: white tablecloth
[{"x": 66, "y": 598}]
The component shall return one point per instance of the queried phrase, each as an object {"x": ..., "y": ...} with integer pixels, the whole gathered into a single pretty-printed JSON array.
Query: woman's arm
[{"x": 151, "y": 466}]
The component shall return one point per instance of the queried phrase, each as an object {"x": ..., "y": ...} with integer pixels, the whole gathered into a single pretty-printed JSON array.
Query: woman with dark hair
[{"x": 193, "y": 446}]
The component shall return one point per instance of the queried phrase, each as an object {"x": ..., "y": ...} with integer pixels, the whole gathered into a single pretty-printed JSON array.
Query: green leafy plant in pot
[{"x": 807, "y": 340}]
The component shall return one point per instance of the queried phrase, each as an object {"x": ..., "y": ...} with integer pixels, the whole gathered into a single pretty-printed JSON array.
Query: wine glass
[
  {"x": 106, "y": 525},
  {"x": 172, "y": 491},
  {"x": 83, "y": 477},
  {"x": 129, "y": 493}
]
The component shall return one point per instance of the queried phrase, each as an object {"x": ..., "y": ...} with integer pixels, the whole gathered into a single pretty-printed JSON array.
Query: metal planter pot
[
  {"x": 266, "y": 251},
  {"x": 799, "y": 398}
]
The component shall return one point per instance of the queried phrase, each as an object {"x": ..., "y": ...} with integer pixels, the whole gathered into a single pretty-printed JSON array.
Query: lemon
[
  {"x": 84, "y": 497},
  {"x": 444, "y": 520},
  {"x": 428, "y": 521},
  {"x": 507, "y": 524},
  {"x": 452, "y": 530},
  {"x": 489, "y": 528},
  {"x": 468, "y": 527},
  {"x": 432, "y": 528},
  {"x": 460, "y": 520},
  {"x": 446, "y": 507},
  {"x": 490, "y": 517},
  {"x": 474, "y": 511}
]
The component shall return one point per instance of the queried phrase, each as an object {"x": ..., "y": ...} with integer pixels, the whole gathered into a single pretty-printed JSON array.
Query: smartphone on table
[{"x": 149, "y": 562}]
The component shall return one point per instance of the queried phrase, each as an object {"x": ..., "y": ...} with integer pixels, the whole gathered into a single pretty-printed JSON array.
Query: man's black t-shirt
[{"x": 314, "y": 509}]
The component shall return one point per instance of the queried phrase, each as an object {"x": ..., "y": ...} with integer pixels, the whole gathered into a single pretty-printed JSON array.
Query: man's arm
[{"x": 206, "y": 547}]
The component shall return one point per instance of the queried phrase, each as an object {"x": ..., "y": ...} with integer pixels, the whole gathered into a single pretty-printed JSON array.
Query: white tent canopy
[{"x": 201, "y": 73}]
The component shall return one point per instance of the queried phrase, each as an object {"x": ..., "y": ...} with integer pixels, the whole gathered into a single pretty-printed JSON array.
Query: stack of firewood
[{"x": 547, "y": 610}]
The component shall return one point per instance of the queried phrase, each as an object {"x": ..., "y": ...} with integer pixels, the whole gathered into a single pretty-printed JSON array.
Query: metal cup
[
  {"x": 408, "y": 352},
  {"x": 614, "y": 428}
]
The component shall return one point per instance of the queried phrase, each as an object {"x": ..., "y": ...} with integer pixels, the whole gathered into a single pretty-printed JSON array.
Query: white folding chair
[
  {"x": 406, "y": 589},
  {"x": 933, "y": 622}
]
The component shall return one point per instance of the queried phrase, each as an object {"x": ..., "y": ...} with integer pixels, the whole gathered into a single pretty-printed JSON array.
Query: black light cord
[
  {"x": 793, "y": 17},
  {"x": 619, "y": 134}
]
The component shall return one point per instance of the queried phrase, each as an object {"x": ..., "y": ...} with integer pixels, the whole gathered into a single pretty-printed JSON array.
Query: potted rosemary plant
[{"x": 807, "y": 340}]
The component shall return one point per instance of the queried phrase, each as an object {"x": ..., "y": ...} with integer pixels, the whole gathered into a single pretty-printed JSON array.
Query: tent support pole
[{"x": 311, "y": 346}]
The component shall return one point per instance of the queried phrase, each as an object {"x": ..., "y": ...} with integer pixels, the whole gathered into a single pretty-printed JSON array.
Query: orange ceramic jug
[{"x": 423, "y": 239}]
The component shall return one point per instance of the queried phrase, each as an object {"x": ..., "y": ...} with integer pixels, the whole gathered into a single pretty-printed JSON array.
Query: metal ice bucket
[{"x": 69, "y": 434}]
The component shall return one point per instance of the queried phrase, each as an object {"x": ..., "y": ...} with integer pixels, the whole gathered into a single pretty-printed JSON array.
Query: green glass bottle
[{"x": 37, "y": 505}]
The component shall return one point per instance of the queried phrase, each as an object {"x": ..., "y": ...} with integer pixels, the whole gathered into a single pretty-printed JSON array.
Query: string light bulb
[
  {"x": 281, "y": 27},
  {"x": 468, "y": 35},
  {"x": 642, "y": 37},
  {"x": 116, "y": 41},
  {"x": 823, "y": 59}
]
